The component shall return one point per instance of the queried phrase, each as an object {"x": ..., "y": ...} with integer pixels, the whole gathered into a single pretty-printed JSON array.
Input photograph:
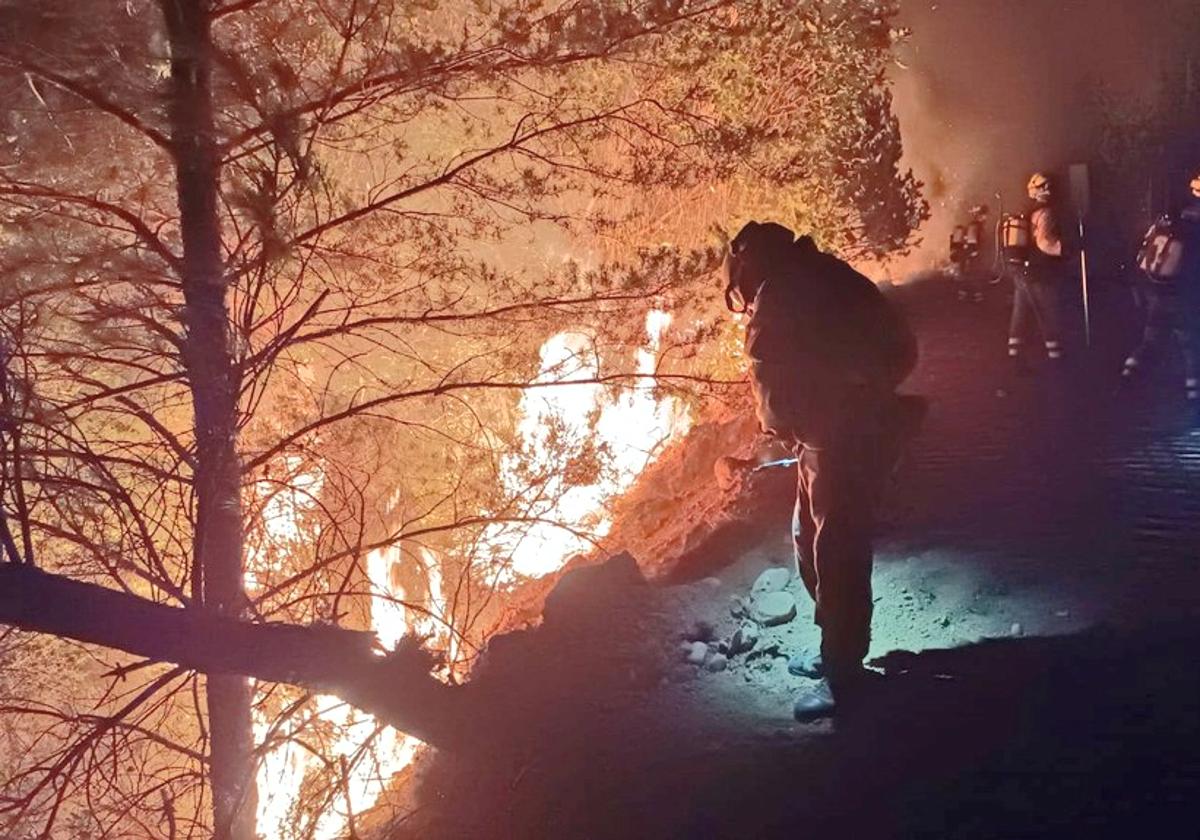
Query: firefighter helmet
[
  {"x": 757, "y": 247},
  {"x": 1039, "y": 186},
  {"x": 1195, "y": 185}
]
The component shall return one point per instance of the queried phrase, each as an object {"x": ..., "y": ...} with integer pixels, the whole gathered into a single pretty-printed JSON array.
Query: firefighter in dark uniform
[
  {"x": 1170, "y": 261},
  {"x": 827, "y": 351},
  {"x": 1034, "y": 253},
  {"x": 966, "y": 255}
]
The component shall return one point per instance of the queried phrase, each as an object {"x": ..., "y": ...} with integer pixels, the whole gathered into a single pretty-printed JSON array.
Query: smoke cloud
[{"x": 988, "y": 92}]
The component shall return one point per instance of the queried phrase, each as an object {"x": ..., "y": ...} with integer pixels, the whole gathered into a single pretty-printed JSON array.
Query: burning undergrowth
[{"x": 650, "y": 461}]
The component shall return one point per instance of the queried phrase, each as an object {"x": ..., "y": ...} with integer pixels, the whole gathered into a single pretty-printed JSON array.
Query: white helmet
[{"x": 1039, "y": 186}]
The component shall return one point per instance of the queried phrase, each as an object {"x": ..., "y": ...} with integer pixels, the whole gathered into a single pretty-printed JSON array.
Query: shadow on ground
[{"x": 1096, "y": 734}]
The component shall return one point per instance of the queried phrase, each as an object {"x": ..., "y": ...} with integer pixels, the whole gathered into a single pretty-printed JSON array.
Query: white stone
[
  {"x": 772, "y": 580},
  {"x": 773, "y": 608},
  {"x": 698, "y": 653}
]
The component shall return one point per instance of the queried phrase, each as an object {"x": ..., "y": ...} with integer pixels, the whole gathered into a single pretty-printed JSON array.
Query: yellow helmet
[
  {"x": 1196, "y": 185},
  {"x": 1039, "y": 186}
]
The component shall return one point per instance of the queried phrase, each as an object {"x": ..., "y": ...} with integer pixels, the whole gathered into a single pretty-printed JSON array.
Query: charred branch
[{"x": 396, "y": 688}]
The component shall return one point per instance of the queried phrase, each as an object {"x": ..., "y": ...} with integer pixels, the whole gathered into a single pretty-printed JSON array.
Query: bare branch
[
  {"x": 91, "y": 96},
  {"x": 136, "y": 224}
]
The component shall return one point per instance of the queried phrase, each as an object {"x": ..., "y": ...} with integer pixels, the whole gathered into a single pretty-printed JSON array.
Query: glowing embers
[
  {"x": 581, "y": 445},
  {"x": 322, "y": 761}
]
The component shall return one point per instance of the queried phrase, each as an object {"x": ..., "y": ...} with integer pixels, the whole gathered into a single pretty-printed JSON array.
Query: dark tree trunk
[
  {"x": 217, "y": 572},
  {"x": 398, "y": 689}
]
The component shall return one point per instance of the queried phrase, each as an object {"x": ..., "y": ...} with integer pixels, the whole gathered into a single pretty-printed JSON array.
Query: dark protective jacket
[
  {"x": 825, "y": 346},
  {"x": 1047, "y": 231},
  {"x": 1051, "y": 244}
]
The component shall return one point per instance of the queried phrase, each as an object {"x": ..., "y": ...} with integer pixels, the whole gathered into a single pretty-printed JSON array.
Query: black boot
[
  {"x": 843, "y": 690},
  {"x": 814, "y": 702}
]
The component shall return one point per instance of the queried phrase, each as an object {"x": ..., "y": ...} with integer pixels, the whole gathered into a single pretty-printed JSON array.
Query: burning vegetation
[{"x": 327, "y": 326}]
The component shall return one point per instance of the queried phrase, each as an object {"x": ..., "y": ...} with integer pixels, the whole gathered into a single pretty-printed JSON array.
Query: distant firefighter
[
  {"x": 1169, "y": 259},
  {"x": 827, "y": 353},
  {"x": 1032, "y": 249},
  {"x": 966, "y": 255}
]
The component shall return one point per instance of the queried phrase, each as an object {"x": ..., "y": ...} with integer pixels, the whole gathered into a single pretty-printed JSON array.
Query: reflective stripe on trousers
[{"x": 1035, "y": 303}]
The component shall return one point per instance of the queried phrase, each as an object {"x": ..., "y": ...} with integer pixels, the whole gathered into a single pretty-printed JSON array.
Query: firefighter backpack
[{"x": 1163, "y": 250}]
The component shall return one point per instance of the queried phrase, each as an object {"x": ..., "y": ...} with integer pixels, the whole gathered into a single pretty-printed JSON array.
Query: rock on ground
[
  {"x": 739, "y": 607},
  {"x": 773, "y": 608},
  {"x": 717, "y": 662},
  {"x": 744, "y": 638},
  {"x": 772, "y": 580}
]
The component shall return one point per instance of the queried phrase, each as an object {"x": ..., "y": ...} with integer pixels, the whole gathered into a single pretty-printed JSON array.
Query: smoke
[{"x": 989, "y": 92}]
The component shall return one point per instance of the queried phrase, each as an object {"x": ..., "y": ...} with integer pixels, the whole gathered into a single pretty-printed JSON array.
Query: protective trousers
[
  {"x": 1035, "y": 300},
  {"x": 1168, "y": 316},
  {"x": 837, "y": 490},
  {"x": 972, "y": 278}
]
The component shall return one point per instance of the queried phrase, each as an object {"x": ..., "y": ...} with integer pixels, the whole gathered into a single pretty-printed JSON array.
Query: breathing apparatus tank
[
  {"x": 966, "y": 240},
  {"x": 1162, "y": 251},
  {"x": 974, "y": 236},
  {"x": 1015, "y": 238},
  {"x": 958, "y": 244}
]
